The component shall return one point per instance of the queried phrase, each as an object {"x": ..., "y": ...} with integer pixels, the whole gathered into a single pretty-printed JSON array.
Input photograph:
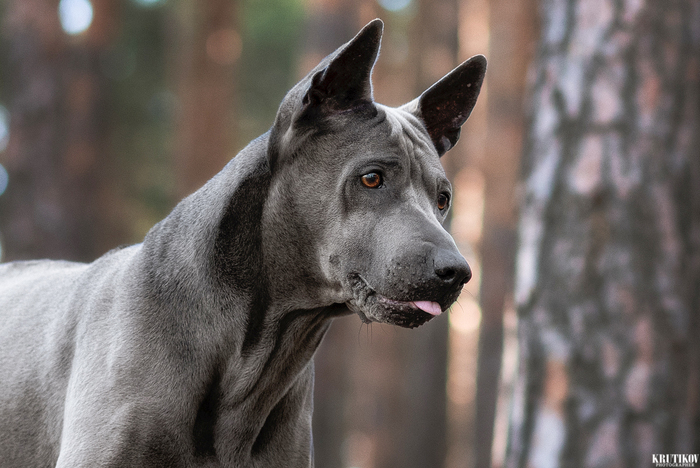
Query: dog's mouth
[{"x": 371, "y": 306}]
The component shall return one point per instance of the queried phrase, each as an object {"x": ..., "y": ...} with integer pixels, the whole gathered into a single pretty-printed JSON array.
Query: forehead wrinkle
[
  {"x": 409, "y": 131},
  {"x": 410, "y": 134},
  {"x": 402, "y": 136}
]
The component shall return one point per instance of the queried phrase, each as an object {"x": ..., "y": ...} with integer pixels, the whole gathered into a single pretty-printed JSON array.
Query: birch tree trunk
[{"x": 608, "y": 267}]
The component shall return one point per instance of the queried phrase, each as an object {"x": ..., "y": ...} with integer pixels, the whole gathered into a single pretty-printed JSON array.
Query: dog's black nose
[{"x": 452, "y": 269}]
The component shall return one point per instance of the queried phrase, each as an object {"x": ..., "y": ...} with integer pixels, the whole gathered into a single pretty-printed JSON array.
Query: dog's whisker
[{"x": 381, "y": 327}]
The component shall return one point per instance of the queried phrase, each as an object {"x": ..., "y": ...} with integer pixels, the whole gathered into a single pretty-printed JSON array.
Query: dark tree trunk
[
  {"x": 56, "y": 157},
  {"x": 511, "y": 37},
  {"x": 207, "y": 46},
  {"x": 420, "y": 437},
  {"x": 328, "y": 26},
  {"x": 381, "y": 401},
  {"x": 608, "y": 275}
]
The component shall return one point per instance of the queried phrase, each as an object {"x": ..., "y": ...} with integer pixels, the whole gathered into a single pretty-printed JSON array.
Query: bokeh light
[
  {"x": 394, "y": 5},
  {"x": 75, "y": 15},
  {"x": 149, "y": 3},
  {"x": 4, "y": 179},
  {"x": 4, "y": 128}
]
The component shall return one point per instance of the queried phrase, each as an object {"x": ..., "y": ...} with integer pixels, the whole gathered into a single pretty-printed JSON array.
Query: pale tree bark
[
  {"x": 57, "y": 157},
  {"x": 608, "y": 275}
]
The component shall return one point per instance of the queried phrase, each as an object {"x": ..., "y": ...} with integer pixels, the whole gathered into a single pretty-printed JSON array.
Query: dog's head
[{"x": 362, "y": 187}]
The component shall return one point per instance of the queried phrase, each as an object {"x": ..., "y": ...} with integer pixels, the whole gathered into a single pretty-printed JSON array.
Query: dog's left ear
[
  {"x": 446, "y": 105},
  {"x": 345, "y": 82}
]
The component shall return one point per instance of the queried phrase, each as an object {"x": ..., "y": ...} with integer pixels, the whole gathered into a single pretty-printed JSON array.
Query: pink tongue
[{"x": 433, "y": 308}]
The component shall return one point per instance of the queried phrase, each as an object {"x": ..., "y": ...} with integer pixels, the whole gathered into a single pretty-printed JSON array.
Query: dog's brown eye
[
  {"x": 372, "y": 180},
  {"x": 442, "y": 201}
]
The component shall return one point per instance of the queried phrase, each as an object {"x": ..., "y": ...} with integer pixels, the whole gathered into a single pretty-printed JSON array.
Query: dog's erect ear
[
  {"x": 346, "y": 82},
  {"x": 446, "y": 105}
]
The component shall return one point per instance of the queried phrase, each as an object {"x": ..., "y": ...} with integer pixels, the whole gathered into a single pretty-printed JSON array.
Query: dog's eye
[
  {"x": 442, "y": 201},
  {"x": 372, "y": 180}
]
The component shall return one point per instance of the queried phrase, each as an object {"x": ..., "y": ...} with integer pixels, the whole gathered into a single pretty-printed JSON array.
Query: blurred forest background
[{"x": 583, "y": 352}]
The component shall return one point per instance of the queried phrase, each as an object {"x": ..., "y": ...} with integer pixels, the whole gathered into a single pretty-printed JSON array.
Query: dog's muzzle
[{"x": 371, "y": 306}]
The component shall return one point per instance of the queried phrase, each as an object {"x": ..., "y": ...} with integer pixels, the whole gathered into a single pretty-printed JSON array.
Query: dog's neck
[{"x": 229, "y": 278}]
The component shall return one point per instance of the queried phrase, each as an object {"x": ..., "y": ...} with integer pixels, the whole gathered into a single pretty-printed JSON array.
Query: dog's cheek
[
  {"x": 346, "y": 251},
  {"x": 391, "y": 269}
]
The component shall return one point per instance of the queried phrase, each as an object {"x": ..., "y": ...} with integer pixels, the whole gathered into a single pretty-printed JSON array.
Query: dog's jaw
[{"x": 371, "y": 306}]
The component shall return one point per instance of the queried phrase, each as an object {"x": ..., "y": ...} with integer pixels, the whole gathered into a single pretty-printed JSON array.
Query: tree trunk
[
  {"x": 381, "y": 401},
  {"x": 510, "y": 37},
  {"x": 328, "y": 25},
  {"x": 57, "y": 153},
  {"x": 420, "y": 437},
  {"x": 609, "y": 255},
  {"x": 207, "y": 44}
]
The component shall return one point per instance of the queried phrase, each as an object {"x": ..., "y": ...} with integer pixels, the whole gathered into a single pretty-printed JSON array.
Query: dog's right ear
[
  {"x": 446, "y": 105},
  {"x": 345, "y": 81}
]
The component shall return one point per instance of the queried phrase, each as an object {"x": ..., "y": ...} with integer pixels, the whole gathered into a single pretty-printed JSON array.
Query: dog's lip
[
  {"x": 430, "y": 307},
  {"x": 371, "y": 306},
  {"x": 433, "y": 308}
]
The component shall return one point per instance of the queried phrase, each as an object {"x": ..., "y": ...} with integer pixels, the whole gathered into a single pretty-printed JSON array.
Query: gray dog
[{"x": 194, "y": 348}]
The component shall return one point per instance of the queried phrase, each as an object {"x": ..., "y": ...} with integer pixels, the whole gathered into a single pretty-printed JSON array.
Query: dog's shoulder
[{"x": 13, "y": 271}]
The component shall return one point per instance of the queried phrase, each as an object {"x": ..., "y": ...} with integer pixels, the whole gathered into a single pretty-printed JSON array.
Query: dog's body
[{"x": 195, "y": 347}]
